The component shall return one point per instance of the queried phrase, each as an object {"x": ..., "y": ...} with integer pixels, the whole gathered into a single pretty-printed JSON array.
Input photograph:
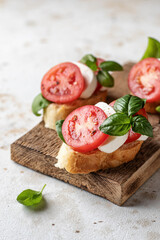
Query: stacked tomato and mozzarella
[
  {"x": 81, "y": 129},
  {"x": 69, "y": 81}
]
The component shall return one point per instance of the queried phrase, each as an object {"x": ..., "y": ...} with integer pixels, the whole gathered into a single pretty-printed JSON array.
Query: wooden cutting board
[{"x": 38, "y": 148}]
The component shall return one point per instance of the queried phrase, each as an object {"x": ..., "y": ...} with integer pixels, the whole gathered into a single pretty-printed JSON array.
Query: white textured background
[{"x": 35, "y": 35}]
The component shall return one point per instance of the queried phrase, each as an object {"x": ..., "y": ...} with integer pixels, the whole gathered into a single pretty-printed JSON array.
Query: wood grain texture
[{"x": 38, "y": 148}]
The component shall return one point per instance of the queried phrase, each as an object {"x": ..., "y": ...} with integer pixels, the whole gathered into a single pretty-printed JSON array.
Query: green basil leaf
[
  {"x": 90, "y": 61},
  {"x": 59, "y": 129},
  {"x": 158, "y": 108},
  {"x": 153, "y": 49},
  {"x": 135, "y": 104},
  {"x": 118, "y": 124},
  {"x": 105, "y": 79},
  {"x": 121, "y": 104},
  {"x": 141, "y": 125},
  {"x": 129, "y": 104},
  {"x": 39, "y": 103},
  {"x": 30, "y": 197},
  {"x": 110, "y": 66}
]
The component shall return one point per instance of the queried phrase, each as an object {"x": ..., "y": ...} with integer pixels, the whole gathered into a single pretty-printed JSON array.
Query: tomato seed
[
  {"x": 43, "y": 86},
  {"x": 93, "y": 132},
  {"x": 74, "y": 117}
]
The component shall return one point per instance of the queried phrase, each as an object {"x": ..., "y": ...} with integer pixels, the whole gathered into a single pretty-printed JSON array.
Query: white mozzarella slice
[
  {"x": 142, "y": 138},
  {"x": 90, "y": 80},
  {"x": 106, "y": 108},
  {"x": 112, "y": 143}
]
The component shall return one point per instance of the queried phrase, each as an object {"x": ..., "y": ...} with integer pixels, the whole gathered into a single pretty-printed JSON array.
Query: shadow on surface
[{"x": 43, "y": 205}]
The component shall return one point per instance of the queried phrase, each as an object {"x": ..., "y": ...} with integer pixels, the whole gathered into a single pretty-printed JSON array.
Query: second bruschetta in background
[
  {"x": 102, "y": 136},
  {"x": 70, "y": 85},
  {"x": 144, "y": 77}
]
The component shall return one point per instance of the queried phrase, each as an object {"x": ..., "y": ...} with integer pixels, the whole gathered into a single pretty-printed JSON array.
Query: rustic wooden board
[{"x": 38, "y": 148}]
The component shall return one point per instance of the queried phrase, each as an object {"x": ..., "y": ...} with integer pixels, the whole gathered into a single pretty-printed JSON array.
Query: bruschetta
[
  {"x": 102, "y": 136},
  {"x": 70, "y": 85},
  {"x": 144, "y": 77}
]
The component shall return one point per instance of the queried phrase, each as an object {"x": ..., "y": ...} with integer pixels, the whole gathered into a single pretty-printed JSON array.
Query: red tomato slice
[
  {"x": 112, "y": 103},
  {"x": 142, "y": 112},
  {"x": 144, "y": 79},
  {"x": 132, "y": 136},
  {"x": 99, "y": 61},
  {"x": 98, "y": 87},
  {"x": 81, "y": 128},
  {"x": 63, "y": 83}
]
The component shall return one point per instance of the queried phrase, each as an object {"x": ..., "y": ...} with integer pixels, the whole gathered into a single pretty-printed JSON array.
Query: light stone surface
[{"x": 35, "y": 35}]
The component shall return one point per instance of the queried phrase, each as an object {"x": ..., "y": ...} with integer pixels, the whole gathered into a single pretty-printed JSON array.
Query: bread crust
[
  {"x": 151, "y": 107},
  {"x": 55, "y": 112},
  {"x": 83, "y": 163}
]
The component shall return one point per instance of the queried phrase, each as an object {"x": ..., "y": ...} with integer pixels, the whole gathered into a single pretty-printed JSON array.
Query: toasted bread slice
[
  {"x": 76, "y": 162},
  {"x": 55, "y": 112},
  {"x": 151, "y": 107}
]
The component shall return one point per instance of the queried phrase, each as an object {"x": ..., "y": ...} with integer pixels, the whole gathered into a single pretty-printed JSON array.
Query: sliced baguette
[
  {"x": 151, "y": 107},
  {"x": 55, "y": 112},
  {"x": 82, "y": 163}
]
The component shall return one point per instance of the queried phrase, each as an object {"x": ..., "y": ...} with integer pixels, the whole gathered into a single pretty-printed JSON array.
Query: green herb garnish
[
  {"x": 105, "y": 79},
  {"x": 153, "y": 49},
  {"x": 117, "y": 124},
  {"x": 110, "y": 66},
  {"x": 120, "y": 123},
  {"x": 129, "y": 104},
  {"x": 30, "y": 197},
  {"x": 39, "y": 103},
  {"x": 59, "y": 129},
  {"x": 103, "y": 75},
  {"x": 141, "y": 125},
  {"x": 90, "y": 61}
]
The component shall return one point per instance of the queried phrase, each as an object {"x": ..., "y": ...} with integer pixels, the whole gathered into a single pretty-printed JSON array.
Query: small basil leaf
[
  {"x": 135, "y": 104},
  {"x": 59, "y": 129},
  {"x": 153, "y": 49},
  {"x": 158, "y": 108},
  {"x": 141, "y": 125},
  {"x": 90, "y": 61},
  {"x": 30, "y": 197},
  {"x": 105, "y": 79},
  {"x": 110, "y": 66},
  {"x": 129, "y": 104},
  {"x": 121, "y": 104},
  {"x": 39, "y": 103},
  {"x": 118, "y": 124}
]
